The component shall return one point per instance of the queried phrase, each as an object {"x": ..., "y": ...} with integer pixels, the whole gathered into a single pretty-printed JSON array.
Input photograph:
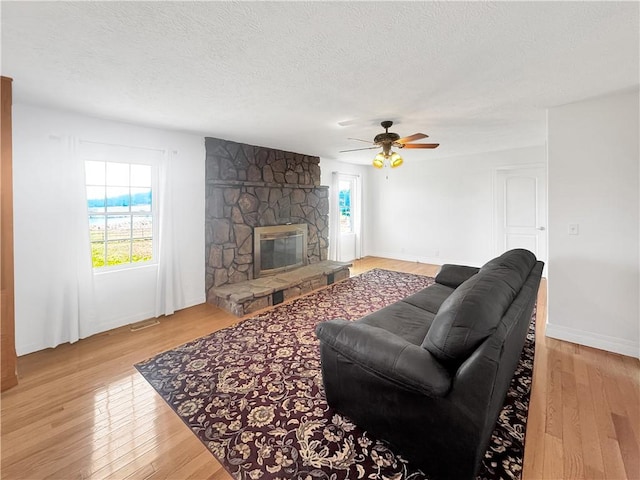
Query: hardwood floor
[{"x": 83, "y": 411}]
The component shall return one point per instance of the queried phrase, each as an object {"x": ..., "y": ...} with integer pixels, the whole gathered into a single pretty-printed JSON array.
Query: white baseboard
[
  {"x": 105, "y": 326},
  {"x": 121, "y": 322},
  {"x": 595, "y": 340},
  {"x": 192, "y": 302},
  {"x": 408, "y": 257}
]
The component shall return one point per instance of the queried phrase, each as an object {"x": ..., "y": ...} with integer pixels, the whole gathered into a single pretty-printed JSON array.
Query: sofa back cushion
[
  {"x": 455, "y": 275},
  {"x": 474, "y": 310}
]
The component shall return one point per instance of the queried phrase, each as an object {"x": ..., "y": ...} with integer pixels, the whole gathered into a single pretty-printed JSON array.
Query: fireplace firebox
[{"x": 279, "y": 248}]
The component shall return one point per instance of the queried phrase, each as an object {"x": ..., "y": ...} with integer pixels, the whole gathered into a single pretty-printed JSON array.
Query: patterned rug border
[{"x": 503, "y": 459}]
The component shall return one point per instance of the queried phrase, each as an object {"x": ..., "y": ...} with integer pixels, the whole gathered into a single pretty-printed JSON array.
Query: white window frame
[
  {"x": 132, "y": 156},
  {"x": 351, "y": 180}
]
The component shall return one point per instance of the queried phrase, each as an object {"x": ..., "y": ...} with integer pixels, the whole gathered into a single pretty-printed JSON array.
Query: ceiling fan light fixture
[
  {"x": 378, "y": 161},
  {"x": 389, "y": 139},
  {"x": 396, "y": 160}
]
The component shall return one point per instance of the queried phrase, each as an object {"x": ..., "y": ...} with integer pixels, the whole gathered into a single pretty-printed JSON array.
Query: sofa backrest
[{"x": 474, "y": 310}]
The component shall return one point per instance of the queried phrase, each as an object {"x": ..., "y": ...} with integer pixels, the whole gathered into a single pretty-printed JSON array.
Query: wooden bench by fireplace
[{"x": 245, "y": 297}]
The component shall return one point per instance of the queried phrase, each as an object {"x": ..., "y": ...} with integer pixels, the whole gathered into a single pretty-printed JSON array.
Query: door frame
[{"x": 495, "y": 240}]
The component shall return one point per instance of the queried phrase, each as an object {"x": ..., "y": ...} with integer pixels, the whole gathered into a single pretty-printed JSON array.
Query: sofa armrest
[
  {"x": 386, "y": 355},
  {"x": 455, "y": 275}
]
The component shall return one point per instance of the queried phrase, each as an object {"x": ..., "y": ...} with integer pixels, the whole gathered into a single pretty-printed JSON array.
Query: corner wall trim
[{"x": 595, "y": 340}]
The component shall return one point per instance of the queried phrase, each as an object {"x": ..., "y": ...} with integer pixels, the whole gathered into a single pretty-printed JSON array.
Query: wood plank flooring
[{"x": 82, "y": 410}]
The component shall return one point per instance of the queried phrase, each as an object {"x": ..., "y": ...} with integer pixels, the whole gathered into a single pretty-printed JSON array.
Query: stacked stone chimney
[{"x": 250, "y": 186}]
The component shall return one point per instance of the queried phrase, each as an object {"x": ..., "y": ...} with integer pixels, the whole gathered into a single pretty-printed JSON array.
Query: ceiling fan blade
[
  {"x": 411, "y": 138},
  {"x": 421, "y": 145},
  {"x": 359, "y": 140},
  {"x": 356, "y": 149}
]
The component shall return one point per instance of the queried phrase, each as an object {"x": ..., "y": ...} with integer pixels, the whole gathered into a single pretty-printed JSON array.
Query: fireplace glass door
[
  {"x": 281, "y": 252},
  {"x": 279, "y": 248}
]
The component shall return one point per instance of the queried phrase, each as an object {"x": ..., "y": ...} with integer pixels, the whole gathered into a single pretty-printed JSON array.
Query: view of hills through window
[{"x": 119, "y": 200}]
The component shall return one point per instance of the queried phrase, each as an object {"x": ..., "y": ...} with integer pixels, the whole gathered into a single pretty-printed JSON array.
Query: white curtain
[
  {"x": 356, "y": 211},
  {"x": 334, "y": 217},
  {"x": 56, "y": 301},
  {"x": 71, "y": 308},
  {"x": 336, "y": 237},
  {"x": 169, "y": 291}
]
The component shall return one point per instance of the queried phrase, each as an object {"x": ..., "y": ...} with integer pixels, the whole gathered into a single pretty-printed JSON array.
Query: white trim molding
[{"x": 595, "y": 340}]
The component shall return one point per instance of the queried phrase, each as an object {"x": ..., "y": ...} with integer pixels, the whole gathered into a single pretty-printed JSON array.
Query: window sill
[{"x": 124, "y": 268}]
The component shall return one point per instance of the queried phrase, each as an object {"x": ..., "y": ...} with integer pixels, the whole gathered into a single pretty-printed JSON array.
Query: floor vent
[{"x": 134, "y": 327}]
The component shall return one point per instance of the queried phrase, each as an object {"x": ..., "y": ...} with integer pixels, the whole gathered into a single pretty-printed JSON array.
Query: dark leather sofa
[{"x": 429, "y": 373}]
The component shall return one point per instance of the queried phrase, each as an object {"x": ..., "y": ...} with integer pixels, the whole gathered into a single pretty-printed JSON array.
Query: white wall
[
  {"x": 438, "y": 210},
  {"x": 327, "y": 167},
  {"x": 123, "y": 296},
  {"x": 594, "y": 182}
]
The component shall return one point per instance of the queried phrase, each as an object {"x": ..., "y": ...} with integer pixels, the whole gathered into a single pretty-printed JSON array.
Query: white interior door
[{"x": 521, "y": 210}]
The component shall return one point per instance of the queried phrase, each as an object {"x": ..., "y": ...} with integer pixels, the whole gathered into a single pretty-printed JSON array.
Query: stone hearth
[{"x": 246, "y": 297}]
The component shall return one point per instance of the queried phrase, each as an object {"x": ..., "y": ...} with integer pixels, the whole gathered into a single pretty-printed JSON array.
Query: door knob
[{"x": 541, "y": 228}]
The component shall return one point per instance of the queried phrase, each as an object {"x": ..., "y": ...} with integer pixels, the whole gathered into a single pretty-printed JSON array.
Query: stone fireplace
[{"x": 250, "y": 187}]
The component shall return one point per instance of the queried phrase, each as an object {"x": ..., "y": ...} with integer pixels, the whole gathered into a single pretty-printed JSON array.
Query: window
[
  {"x": 119, "y": 199},
  {"x": 344, "y": 204}
]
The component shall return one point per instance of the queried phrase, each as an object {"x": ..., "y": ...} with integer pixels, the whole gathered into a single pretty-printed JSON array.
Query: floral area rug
[{"x": 253, "y": 393}]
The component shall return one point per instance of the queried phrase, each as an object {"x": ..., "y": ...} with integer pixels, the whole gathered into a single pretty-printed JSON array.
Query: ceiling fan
[{"x": 389, "y": 139}]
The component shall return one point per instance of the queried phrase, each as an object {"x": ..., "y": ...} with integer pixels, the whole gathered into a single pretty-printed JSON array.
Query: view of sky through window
[{"x": 119, "y": 200}]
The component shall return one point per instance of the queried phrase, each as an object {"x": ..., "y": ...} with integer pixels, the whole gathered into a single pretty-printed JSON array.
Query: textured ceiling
[{"x": 475, "y": 76}]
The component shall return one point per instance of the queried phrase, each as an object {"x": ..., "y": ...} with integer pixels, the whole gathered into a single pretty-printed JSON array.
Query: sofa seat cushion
[
  {"x": 474, "y": 310},
  {"x": 402, "y": 319},
  {"x": 430, "y": 298}
]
